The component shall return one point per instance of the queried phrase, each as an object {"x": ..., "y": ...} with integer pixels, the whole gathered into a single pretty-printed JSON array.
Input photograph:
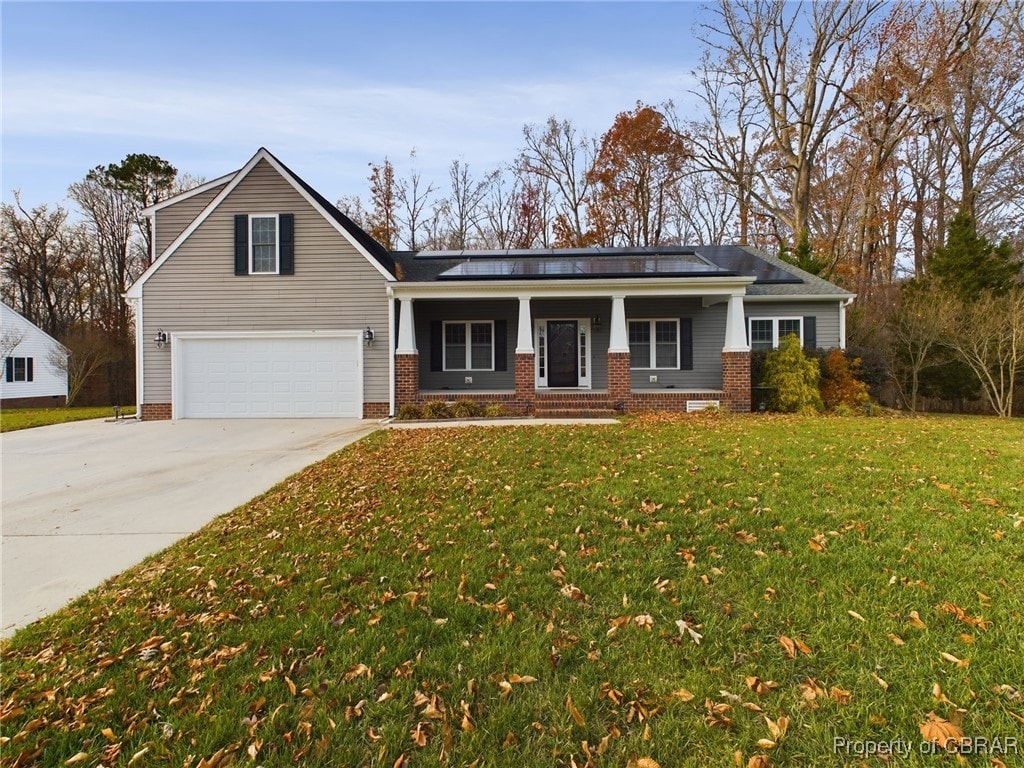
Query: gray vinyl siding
[
  {"x": 826, "y": 312},
  {"x": 172, "y": 220},
  {"x": 708, "y": 340},
  {"x": 427, "y": 310},
  {"x": 334, "y": 286}
]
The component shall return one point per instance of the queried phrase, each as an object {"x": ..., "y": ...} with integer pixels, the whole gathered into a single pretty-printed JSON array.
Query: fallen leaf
[
  {"x": 685, "y": 628},
  {"x": 941, "y": 732},
  {"x": 839, "y": 695},
  {"x": 682, "y": 694},
  {"x": 77, "y": 758},
  {"x": 954, "y": 660},
  {"x": 758, "y": 761},
  {"x": 880, "y": 681},
  {"x": 856, "y": 615},
  {"x": 574, "y": 712},
  {"x": 915, "y": 621}
]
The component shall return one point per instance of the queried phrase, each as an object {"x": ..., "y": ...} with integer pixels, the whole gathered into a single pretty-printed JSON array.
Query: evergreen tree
[
  {"x": 803, "y": 255},
  {"x": 969, "y": 263}
]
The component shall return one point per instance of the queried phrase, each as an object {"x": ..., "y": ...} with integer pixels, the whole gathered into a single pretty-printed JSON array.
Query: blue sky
[{"x": 328, "y": 87}]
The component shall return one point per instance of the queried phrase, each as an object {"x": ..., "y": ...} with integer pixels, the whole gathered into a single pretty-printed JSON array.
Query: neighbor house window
[
  {"x": 264, "y": 245},
  {"x": 654, "y": 344},
  {"x": 767, "y": 332},
  {"x": 18, "y": 369},
  {"x": 469, "y": 346}
]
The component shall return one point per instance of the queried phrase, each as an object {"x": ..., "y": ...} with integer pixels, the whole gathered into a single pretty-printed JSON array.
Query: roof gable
[
  {"x": 21, "y": 320},
  {"x": 372, "y": 251}
]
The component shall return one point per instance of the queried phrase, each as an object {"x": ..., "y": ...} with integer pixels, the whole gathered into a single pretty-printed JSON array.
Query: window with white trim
[
  {"x": 263, "y": 245},
  {"x": 654, "y": 344},
  {"x": 469, "y": 346},
  {"x": 767, "y": 332}
]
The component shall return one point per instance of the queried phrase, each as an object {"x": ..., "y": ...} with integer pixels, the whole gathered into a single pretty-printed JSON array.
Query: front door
[{"x": 563, "y": 357}]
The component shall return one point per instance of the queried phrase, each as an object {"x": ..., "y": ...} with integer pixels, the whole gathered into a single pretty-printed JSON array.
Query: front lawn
[
  {"x": 700, "y": 591},
  {"x": 26, "y": 418}
]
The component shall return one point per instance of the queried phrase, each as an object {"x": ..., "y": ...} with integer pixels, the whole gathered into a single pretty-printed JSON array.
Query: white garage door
[{"x": 259, "y": 377}]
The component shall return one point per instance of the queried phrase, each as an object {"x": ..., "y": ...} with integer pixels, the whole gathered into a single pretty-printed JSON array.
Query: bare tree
[
  {"x": 800, "y": 85},
  {"x": 88, "y": 350},
  {"x": 561, "y": 156},
  {"x": 415, "y": 198},
  {"x": 463, "y": 210},
  {"x": 917, "y": 329},
  {"x": 988, "y": 335},
  {"x": 10, "y": 338}
]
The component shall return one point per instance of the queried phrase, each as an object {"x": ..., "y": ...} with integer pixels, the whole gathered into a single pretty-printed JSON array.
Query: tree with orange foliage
[
  {"x": 382, "y": 221},
  {"x": 640, "y": 160}
]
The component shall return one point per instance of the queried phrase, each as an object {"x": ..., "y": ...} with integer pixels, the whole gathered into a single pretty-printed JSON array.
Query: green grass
[
  {"x": 391, "y": 594},
  {"x": 26, "y": 418}
]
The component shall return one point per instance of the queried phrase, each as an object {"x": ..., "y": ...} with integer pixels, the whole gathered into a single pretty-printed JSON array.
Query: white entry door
[{"x": 270, "y": 375}]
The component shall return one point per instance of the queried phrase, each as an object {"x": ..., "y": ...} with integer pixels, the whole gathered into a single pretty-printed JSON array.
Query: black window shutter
[
  {"x": 28, "y": 369},
  {"x": 810, "y": 333},
  {"x": 241, "y": 244},
  {"x": 286, "y": 221},
  {"x": 686, "y": 343},
  {"x": 9, "y": 367},
  {"x": 501, "y": 345},
  {"x": 436, "y": 340}
]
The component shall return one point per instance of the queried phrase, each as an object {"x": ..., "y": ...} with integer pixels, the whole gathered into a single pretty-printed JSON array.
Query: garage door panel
[{"x": 263, "y": 377}]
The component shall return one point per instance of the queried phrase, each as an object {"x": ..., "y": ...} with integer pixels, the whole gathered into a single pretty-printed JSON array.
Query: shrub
[
  {"x": 409, "y": 411},
  {"x": 840, "y": 381},
  {"x": 495, "y": 410},
  {"x": 793, "y": 376},
  {"x": 465, "y": 408},
  {"x": 437, "y": 409}
]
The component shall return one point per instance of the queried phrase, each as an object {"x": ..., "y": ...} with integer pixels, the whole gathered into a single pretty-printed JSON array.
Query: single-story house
[
  {"x": 35, "y": 364},
  {"x": 264, "y": 300}
]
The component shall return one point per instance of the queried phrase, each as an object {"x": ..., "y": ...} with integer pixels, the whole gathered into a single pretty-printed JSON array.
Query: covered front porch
[{"x": 585, "y": 349}]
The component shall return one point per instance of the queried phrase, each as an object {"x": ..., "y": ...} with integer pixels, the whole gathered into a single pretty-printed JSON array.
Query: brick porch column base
[
  {"x": 619, "y": 386},
  {"x": 526, "y": 382},
  {"x": 156, "y": 411},
  {"x": 736, "y": 381},
  {"x": 407, "y": 379}
]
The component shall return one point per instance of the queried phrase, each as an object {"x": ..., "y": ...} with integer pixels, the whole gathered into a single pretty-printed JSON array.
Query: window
[
  {"x": 263, "y": 255},
  {"x": 18, "y": 369},
  {"x": 767, "y": 332},
  {"x": 654, "y": 344},
  {"x": 469, "y": 346}
]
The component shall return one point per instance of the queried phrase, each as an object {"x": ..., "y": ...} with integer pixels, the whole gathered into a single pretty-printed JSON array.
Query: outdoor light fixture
[
  {"x": 368, "y": 336},
  {"x": 595, "y": 321},
  {"x": 160, "y": 338}
]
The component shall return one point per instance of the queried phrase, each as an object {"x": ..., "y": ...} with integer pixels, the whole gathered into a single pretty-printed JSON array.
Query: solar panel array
[{"x": 581, "y": 267}]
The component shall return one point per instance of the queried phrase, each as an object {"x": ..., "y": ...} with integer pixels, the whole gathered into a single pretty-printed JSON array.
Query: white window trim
[
  {"x": 653, "y": 356},
  {"x": 775, "y": 329},
  {"x": 14, "y": 369},
  {"x": 277, "y": 243},
  {"x": 540, "y": 326},
  {"x": 469, "y": 344}
]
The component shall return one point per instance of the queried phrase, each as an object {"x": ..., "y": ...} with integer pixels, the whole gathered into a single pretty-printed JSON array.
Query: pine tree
[{"x": 969, "y": 264}]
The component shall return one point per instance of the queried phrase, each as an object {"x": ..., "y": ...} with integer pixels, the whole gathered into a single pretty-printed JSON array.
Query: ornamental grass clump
[{"x": 793, "y": 378}]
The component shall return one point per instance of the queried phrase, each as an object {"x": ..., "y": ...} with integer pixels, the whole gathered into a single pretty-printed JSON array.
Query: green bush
[
  {"x": 437, "y": 409},
  {"x": 794, "y": 378},
  {"x": 409, "y": 411},
  {"x": 840, "y": 381},
  {"x": 465, "y": 408},
  {"x": 495, "y": 410}
]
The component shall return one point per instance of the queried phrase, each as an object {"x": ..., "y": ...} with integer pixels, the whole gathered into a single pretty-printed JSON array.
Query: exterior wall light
[
  {"x": 161, "y": 338},
  {"x": 368, "y": 336},
  {"x": 595, "y": 322}
]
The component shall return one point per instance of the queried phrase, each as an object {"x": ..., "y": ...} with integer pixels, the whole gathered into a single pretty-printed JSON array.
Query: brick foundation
[
  {"x": 526, "y": 382},
  {"x": 376, "y": 410},
  {"x": 619, "y": 385},
  {"x": 407, "y": 379},
  {"x": 671, "y": 401},
  {"x": 736, "y": 381},
  {"x": 42, "y": 401},
  {"x": 155, "y": 411}
]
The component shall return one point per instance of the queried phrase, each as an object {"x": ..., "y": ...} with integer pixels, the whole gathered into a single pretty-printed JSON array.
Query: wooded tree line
[
  {"x": 68, "y": 274},
  {"x": 847, "y": 137}
]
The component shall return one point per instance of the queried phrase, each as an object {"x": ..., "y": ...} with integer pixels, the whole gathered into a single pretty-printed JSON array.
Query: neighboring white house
[{"x": 29, "y": 378}]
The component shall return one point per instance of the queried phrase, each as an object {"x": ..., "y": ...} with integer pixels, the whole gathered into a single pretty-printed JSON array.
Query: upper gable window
[{"x": 264, "y": 248}]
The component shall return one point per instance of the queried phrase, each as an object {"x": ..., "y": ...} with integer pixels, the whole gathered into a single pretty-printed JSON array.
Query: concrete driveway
[{"x": 84, "y": 501}]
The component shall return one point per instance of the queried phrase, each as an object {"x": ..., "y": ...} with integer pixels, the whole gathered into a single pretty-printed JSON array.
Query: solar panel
[
  {"x": 745, "y": 263},
  {"x": 660, "y": 266}
]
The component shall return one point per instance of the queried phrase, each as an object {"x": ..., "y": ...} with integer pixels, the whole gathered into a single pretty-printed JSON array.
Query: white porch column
[
  {"x": 619, "y": 341},
  {"x": 735, "y": 332},
  {"x": 406, "y": 330},
  {"x": 524, "y": 341}
]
